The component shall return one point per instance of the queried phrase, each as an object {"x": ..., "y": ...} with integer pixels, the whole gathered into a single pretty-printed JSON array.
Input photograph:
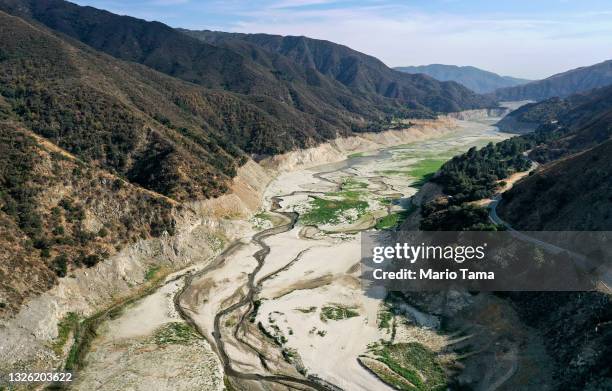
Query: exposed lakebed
[{"x": 284, "y": 306}]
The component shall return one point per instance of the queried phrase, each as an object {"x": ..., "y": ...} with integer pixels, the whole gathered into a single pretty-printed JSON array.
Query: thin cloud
[
  {"x": 169, "y": 2},
  {"x": 505, "y": 39},
  {"x": 401, "y": 35},
  {"x": 299, "y": 3}
]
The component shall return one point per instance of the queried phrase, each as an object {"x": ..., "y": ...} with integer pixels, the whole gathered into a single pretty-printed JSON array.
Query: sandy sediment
[
  {"x": 325, "y": 275},
  {"x": 203, "y": 228},
  {"x": 337, "y": 150},
  {"x": 141, "y": 350}
]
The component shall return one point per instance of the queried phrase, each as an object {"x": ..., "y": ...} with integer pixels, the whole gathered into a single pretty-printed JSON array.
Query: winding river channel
[{"x": 263, "y": 305}]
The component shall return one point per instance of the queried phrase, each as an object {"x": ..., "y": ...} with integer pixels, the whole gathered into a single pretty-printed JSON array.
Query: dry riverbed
[{"x": 286, "y": 308}]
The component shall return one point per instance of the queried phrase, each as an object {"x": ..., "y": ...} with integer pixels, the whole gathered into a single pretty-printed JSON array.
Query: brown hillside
[
  {"x": 574, "y": 193},
  {"x": 58, "y": 213}
]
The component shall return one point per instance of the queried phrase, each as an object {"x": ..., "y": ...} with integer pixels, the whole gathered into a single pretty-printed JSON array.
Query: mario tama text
[
  {"x": 409, "y": 253},
  {"x": 484, "y": 261},
  {"x": 431, "y": 274}
]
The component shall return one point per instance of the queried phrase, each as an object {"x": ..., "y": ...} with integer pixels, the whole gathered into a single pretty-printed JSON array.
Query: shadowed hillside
[
  {"x": 357, "y": 70},
  {"x": 570, "y": 125},
  {"x": 573, "y": 191},
  {"x": 282, "y": 79},
  {"x": 571, "y": 194}
]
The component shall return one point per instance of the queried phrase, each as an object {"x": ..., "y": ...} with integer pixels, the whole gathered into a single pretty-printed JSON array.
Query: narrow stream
[{"x": 248, "y": 300}]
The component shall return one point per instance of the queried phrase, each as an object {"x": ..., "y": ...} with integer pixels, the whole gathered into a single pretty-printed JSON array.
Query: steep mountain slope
[
  {"x": 529, "y": 117},
  {"x": 122, "y": 117},
  {"x": 356, "y": 70},
  {"x": 214, "y": 66},
  {"x": 561, "y": 85},
  {"x": 569, "y": 125},
  {"x": 475, "y": 79},
  {"x": 169, "y": 136},
  {"x": 573, "y": 190},
  {"x": 570, "y": 194},
  {"x": 58, "y": 213},
  {"x": 79, "y": 143},
  {"x": 150, "y": 43}
]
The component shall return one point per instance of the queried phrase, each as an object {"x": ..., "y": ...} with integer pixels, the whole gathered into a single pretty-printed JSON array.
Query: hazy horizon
[{"x": 525, "y": 39}]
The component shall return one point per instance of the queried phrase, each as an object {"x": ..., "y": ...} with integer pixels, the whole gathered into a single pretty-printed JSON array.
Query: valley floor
[{"x": 284, "y": 305}]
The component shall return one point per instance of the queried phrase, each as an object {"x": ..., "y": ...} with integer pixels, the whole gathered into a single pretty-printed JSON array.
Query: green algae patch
[
  {"x": 68, "y": 324},
  {"x": 337, "y": 312},
  {"x": 395, "y": 219},
  {"x": 418, "y": 367},
  {"x": 357, "y": 154},
  {"x": 426, "y": 167},
  {"x": 151, "y": 273},
  {"x": 343, "y": 206},
  {"x": 388, "y": 222},
  {"x": 175, "y": 333},
  {"x": 329, "y": 211}
]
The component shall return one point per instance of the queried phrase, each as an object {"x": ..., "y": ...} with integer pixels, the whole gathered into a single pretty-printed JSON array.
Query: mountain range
[
  {"x": 244, "y": 69},
  {"x": 352, "y": 69},
  {"x": 560, "y": 85},
  {"x": 163, "y": 116},
  {"x": 109, "y": 124},
  {"x": 242, "y": 98},
  {"x": 478, "y": 80},
  {"x": 112, "y": 127}
]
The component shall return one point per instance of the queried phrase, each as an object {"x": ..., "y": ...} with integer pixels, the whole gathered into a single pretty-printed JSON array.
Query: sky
[{"x": 523, "y": 38}]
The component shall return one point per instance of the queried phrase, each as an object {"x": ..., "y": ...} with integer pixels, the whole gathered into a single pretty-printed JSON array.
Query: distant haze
[
  {"x": 477, "y": 80},
  {"x": 522, "y": 38}
]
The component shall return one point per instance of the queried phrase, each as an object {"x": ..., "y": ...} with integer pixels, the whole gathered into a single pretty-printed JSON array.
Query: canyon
[{"x": 233, "y": 291}]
